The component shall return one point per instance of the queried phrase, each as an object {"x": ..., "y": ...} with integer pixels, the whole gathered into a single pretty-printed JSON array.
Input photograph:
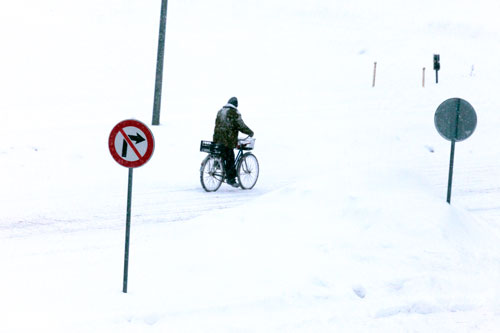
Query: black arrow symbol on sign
[
  {"x": 137, "y": 138},
  {"x": 124, "y": 148}
]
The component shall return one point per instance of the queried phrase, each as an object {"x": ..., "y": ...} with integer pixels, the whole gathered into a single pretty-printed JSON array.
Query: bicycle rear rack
[{"x": 211, "y": 147}]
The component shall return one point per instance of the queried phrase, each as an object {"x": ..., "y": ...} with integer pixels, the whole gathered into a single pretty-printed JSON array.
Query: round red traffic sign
[{"x": 131, "y": 143}]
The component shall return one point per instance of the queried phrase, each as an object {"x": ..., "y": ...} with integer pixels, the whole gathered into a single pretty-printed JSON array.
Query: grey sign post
[
  {"x": 455, "y": 120},
  {"x": 437, "y": 65},
  {"x": 159, "y": 63},
  {"x": 131, "y": 144}
]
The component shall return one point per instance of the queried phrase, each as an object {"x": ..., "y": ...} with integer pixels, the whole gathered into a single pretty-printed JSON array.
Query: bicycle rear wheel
[
  {"x": 248, "y": 171},
  {"x": 211, "y": 173}
]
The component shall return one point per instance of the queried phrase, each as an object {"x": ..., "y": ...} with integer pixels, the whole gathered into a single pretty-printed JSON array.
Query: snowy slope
[{"x": 347, "y": 228}]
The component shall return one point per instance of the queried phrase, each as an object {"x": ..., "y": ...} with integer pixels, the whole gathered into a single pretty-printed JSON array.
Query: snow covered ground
[{"x": 347, "y": 229}]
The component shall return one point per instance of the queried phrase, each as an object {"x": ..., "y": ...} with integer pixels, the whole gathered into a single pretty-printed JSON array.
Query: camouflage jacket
[{"x": 227, "y": 125}]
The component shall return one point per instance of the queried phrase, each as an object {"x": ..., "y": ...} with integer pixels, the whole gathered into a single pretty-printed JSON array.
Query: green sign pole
[
  {"x": 127, "y": 231},
  {"x": 455, "y": 120},
  {"x": 131, "y": 144},
  {"x": 450, "y": 173},
  {"x": 159, "y": 63},
  {"x": 452, "y": 152}
]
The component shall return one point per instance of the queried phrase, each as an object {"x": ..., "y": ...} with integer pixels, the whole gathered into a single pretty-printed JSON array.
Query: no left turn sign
[{"x": 131, "y": 143}]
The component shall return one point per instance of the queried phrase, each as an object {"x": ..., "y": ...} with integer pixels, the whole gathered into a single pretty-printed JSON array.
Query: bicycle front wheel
[
  {"x": 211, "y": 173},
  {"x": 248, "y": 171}
]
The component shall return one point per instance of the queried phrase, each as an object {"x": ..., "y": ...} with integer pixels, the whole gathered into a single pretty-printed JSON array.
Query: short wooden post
[
  {"x": 374, "y": 73},
  {"x": 423, "y": 77}
]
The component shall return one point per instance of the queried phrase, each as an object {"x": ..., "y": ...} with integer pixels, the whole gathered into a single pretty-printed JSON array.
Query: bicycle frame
[
  {"x": 236, "y": 161},
  {"x": 238, "y": 157},
  {"x": 212, "y": 175}
]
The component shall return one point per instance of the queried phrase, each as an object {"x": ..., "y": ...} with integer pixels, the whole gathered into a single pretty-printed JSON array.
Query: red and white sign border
[{"x": 149, "y": 139}]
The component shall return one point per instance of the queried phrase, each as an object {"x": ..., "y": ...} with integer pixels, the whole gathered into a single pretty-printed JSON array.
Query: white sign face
[{"x": 131, "y": 143}]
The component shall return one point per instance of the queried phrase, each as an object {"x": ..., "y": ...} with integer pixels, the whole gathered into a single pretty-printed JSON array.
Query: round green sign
[{"x": 455, "y": 119}]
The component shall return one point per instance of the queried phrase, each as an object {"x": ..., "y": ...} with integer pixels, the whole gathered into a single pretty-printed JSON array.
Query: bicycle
[{"x": 212, "y": 173}]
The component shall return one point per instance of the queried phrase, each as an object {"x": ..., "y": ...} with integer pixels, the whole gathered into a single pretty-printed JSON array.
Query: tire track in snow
[{"x": 148, "y": 207}]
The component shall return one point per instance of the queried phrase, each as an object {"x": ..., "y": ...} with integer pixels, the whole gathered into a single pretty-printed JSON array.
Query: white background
[{"x": 347, "y": 229}]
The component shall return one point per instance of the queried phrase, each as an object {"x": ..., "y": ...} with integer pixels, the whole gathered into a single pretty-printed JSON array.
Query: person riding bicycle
[{"x": 227, "y": 125}]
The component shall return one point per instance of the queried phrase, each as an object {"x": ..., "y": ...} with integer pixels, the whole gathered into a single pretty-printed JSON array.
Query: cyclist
[{"x": 227, "y": 125}]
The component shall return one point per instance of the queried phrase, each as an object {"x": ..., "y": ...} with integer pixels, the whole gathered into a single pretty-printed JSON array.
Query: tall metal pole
[
  {"x": 450, "y": 173},
  {"x": 127, "y": 231},
  {"x": 159, "y": 63},
  {"x": 452, "y": 153}
]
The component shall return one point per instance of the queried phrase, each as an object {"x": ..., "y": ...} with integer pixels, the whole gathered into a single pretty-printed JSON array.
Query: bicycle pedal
[{"x": 233, "y": 184}]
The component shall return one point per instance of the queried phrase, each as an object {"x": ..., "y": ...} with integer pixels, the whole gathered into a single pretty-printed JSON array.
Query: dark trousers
[{"x": 228, "y": 159}]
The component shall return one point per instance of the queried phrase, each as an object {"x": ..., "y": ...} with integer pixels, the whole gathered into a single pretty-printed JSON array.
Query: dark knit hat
[{"x": 233, "y": 101}]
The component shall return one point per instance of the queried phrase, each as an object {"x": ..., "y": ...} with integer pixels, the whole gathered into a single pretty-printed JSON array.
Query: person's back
[{"x": 227, "y": 125}]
